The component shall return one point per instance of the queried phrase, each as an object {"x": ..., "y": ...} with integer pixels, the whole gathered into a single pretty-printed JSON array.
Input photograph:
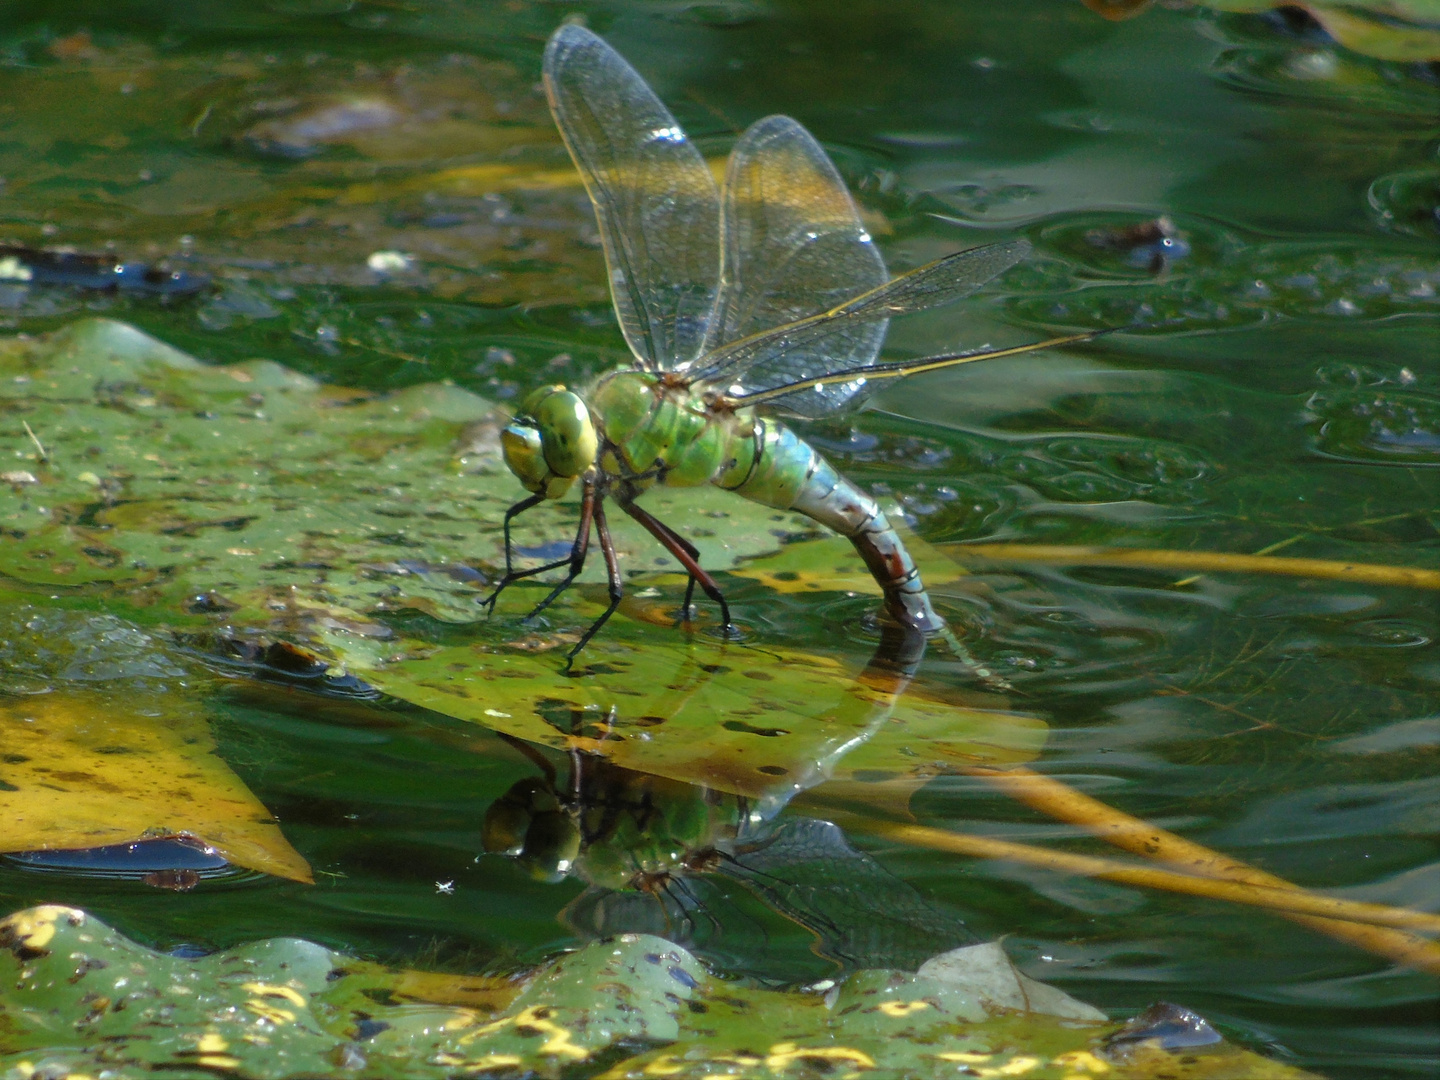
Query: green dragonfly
[{"x": 766, "y": 292}]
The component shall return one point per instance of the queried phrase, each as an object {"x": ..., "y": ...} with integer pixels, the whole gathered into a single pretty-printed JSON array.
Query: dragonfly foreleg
[
  {"x": 589, "y": 503},
  {"x": 688, "y": 556},
  {"x": 510, "y": 575},
  {"x": 617, "y": 585}
]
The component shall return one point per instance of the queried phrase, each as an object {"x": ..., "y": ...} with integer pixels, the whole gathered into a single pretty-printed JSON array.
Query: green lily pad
[
  {"x": 78, "y": 998},
  {"x": 750, "y": 721},
  {"x": 293, "y": 502}
]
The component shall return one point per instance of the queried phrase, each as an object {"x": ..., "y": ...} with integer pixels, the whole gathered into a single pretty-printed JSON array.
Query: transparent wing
[
  {"x": 858, "y": 914},
  {"x": 794, "y": 246},
  {"x": 861, "y": 914},
  {"x": 656, "y": 202},
  {"x": 727, "y": 368}
]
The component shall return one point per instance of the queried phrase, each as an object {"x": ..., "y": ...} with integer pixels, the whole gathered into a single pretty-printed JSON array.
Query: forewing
[
  {"x": 794, "y": 246},
  {"x": 934, "y": 285},
  {"x": 656, "y": 202}
]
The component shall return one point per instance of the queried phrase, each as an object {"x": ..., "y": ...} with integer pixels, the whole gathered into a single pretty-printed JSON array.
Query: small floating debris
[
  {"x": 310, "y": 130},
  {"x": 1170, "y": 1027},
  {"x": 33, "y": 266},
  {"x": 390, "y": 262},
  {"x": 1151, "y": 245}
]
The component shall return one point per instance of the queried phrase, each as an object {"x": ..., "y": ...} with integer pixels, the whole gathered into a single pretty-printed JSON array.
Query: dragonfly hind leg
[{"x": 688, "y": 556}]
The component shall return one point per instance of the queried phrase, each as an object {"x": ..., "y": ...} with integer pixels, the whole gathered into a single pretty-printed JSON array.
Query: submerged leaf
[
  {"x": 750, "y": 721},
  {"x": 986, "y": 973}
]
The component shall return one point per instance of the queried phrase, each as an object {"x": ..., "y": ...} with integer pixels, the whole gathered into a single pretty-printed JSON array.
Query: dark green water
[{"x": 1283, "y": 389}]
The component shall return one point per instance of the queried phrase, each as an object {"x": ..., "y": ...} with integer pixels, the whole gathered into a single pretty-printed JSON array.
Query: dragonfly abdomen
[{"x": 789, "y": 474}]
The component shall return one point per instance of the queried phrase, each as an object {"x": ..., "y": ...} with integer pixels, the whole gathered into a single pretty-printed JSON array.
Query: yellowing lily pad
[{"x": 90, "y": 770}]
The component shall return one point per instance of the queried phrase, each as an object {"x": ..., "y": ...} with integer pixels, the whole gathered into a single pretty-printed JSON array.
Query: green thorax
[
  {"x": 639, "y": 826},
  {"x": 667, "y": 435}
]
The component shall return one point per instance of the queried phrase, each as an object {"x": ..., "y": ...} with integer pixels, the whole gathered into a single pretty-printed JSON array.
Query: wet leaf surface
[{"x": 78, "y": 996}]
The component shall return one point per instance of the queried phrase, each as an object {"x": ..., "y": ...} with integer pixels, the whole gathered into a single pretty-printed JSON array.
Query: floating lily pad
[
  {"x": 76, "y": 997},
  {"x": 250, "y": 501},
  {"x": 290, "y": 502}
]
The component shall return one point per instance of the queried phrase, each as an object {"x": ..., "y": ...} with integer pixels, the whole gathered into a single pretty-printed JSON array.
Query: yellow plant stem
[
  {"x": 1198, "y": 562},
  {"x": 1064, "y": 803},
  {"x": 1290, "y": 901}
]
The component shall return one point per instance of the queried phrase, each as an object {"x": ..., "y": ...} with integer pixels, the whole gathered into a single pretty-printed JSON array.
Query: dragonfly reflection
[{"x": 649, "y": 847}]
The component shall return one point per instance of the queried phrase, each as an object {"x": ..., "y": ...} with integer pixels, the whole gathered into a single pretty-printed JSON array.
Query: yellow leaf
[{"x": 81, "y": 771}]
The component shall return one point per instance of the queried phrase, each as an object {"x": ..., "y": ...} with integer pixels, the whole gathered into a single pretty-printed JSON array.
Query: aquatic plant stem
[
  {"x": 1291, "y": 901},
  {"x": 1064, "y": 803},
  {"x": 1198, "y": 561}
]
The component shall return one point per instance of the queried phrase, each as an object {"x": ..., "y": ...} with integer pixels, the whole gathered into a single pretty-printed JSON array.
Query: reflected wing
[
  {"x": 944, "y": 281},
  {"x": 794, "y": 247},
  {"x": 862, "y": 915},
  {"x": 656, "y": 203}
]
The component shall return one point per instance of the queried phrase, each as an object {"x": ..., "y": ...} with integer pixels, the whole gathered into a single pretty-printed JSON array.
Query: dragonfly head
[{"x": 551, "y": 441}]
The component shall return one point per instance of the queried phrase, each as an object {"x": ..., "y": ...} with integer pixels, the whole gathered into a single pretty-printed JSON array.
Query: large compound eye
[
  {"x": 552, "y": 844},
  {"x": 567, "y": 433},
  {"x": 508, "y": 819},
  {"x": 521, "y": 445}
]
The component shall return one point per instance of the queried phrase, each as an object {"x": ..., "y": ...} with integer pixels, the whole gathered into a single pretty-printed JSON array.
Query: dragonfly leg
[
  {"x": 617, "y": 585},
  {"x": 687, "y": 555},
  {"x": 686, "y": 607},
  {"x": 510, "y": 575},
  {"x": 588, "y": 502}
]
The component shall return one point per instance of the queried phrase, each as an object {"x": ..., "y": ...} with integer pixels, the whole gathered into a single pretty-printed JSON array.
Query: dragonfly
[
  {"x": 765, "y": 295},
  {"x": 646, "y": 846}
]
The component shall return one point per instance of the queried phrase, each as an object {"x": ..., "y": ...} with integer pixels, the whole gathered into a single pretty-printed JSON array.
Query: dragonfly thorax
[
  {"x": 656, "y": 430},
  {"x": 551, "y": 441}
]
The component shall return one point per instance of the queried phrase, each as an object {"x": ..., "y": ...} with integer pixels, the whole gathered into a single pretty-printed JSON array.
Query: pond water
[{"x": 1277, "y": 391}]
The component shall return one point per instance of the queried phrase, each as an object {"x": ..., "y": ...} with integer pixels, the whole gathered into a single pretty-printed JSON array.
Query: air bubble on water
[{"x": 1316, "y": 65}]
